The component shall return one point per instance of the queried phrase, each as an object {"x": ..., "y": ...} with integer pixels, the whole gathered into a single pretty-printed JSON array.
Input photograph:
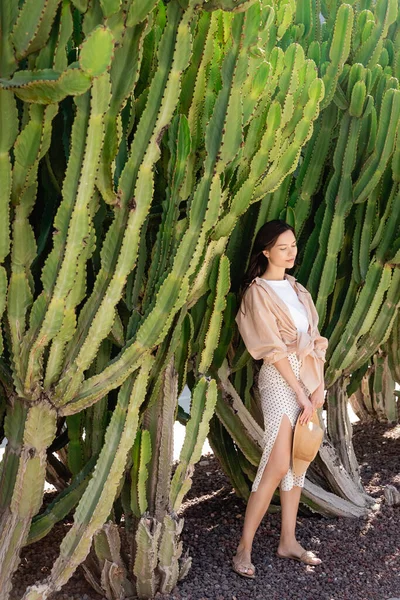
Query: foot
[
  {"x": 242, "y": 561},
  {"x": 296, "y": 551}
]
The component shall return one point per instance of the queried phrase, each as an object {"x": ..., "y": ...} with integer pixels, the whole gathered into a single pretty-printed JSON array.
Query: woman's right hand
[{"x": 306, "y": 405}]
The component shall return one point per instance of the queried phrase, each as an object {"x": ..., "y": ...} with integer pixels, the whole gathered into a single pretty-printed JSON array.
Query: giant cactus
[{"x": 154, "y": 138}]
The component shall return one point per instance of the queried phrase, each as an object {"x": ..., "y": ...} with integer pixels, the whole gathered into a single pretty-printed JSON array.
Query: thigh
[
  {"x": 279, "y": 459},
  {"x": 282, "y": 447}
]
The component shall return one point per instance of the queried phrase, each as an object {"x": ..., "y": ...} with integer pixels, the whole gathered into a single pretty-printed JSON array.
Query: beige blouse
[{"x": 270, "y": 333}]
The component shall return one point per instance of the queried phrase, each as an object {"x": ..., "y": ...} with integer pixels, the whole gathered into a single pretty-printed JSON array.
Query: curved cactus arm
[
  {"x": 139, "y": 208},
  {"x": 224, "y": 449},
  {"x": 283, "y": 164},
  {"x": 61, "y": 506},
  {"x": 367, "y": 230},
  {"x": 141, "y": 455},
  {"x": 38, "y": 430},
  {"x": 198, "y": 100},
  {"x": 202, "y": 408},
  {"x": 33, "y": 25},
  {"x": 200, "y": 284},
  {"x": 219, "y": 303},
  {"x": 124, "y": 74},
  {"x": 112, "y": 246},
  {"x": 338, "y": 52},
  {"x": 116, "y": 372},
  {"x": 8, "y": 16},
  {"x": 9, "y": 129},
  {"x": 60, "y": 61},
  {"x": 385, "y": 321},
  {"x": 47, "y": 86},
  {"x": 309, "y": 177},
  {"x": 342, "y": 202},
  {"x": 368, "y": 302},
  {"x": 234, "y": 404},
  {"x": 139, "y": 10},
  {"x": 47, "y": 320},
  {"x": 232, "y": 422},
  {"x": 174, "y": 289},
  {"x": 30, "y": 146},
  {"x": 388, "y": 130},
  {"x": 97, "y": 500},
  {"x": 179, "y": 145},
  {"x": 74, "y": 298},
  {"x": 370, "y": 50}
]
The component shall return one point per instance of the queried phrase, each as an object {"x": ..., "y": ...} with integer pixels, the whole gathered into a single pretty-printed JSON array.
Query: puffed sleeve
[{"x": 258, "y": 326}]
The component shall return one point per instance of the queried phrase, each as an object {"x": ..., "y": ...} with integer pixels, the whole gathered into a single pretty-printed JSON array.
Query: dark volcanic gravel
[{"x": 361, "y": 557}]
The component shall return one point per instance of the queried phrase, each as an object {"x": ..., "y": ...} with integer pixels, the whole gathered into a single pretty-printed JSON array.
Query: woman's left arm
[{"x": 317, "y": 397}]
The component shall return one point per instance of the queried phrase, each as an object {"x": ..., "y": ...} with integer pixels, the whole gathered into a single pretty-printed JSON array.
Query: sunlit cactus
[{"x": 142, "y": 144}]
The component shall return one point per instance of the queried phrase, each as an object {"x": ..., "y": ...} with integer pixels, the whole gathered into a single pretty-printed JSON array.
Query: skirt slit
[{"x": 277, "y": 399}]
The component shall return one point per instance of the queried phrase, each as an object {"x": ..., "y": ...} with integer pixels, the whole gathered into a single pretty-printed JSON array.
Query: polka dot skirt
[{"x": 277, "y": 399}]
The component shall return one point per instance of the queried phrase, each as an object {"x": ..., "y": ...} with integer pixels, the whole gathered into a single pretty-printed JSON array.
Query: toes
[{"x": 248, "y": 570}]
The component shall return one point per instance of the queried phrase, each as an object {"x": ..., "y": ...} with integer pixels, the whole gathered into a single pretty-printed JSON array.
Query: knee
[{"x": 281, "y": 467}]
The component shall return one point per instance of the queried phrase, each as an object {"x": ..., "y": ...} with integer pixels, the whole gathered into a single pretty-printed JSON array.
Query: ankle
[
  {"x": 287, "y": 541},
  {"x": 243, "y": 546}
]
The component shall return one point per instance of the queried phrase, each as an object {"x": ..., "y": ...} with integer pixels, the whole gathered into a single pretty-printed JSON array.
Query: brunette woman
[{"x": 279, "y": 324}]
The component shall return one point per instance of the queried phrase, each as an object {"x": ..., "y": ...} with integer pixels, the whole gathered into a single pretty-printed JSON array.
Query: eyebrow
[{"x": 284, "y": 244}]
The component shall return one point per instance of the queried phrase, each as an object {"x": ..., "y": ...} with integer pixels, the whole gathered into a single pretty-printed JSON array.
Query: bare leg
[
  {"x": 259, "y": 501},
  {"x": 288, "y": 545}
]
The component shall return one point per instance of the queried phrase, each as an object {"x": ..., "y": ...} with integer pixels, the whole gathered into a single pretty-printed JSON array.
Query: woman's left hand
[{"x": 317, "y": 398}]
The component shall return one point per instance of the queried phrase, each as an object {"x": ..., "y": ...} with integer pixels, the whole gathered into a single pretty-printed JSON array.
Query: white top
[{"x": 297, "y": 310}]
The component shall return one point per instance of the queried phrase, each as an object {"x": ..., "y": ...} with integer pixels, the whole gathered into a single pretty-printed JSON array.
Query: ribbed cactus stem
[
  {"x": 98, "y": 498},
  {"x": 79, "y": 228},
  {"x": 143, "y": 191},
  {"x": 39, "y": 427}
]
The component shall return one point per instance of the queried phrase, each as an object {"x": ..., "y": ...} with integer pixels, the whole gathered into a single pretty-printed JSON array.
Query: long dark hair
[{"x": 265, "y": 239}]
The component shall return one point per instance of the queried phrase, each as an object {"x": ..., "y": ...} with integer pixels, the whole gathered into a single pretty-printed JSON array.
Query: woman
[{"x": 278, "y": 322}]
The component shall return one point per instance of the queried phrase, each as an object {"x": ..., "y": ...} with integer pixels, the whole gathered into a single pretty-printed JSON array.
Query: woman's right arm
[{"x": 284, "y": 367}]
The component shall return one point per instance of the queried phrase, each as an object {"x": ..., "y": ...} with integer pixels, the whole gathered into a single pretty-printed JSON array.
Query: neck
[{"x": 274, "y": 274}]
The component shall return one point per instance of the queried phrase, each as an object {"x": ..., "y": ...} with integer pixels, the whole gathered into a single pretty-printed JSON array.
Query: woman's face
[{"x": 284, "y": 251}]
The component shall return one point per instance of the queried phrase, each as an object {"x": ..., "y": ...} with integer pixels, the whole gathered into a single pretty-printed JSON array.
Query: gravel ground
[{"x": 361, "y": 557}]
